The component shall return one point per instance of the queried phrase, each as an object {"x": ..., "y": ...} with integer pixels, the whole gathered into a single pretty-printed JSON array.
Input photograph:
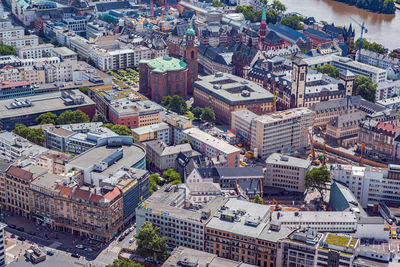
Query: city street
[{"x": 62, "y": 244}]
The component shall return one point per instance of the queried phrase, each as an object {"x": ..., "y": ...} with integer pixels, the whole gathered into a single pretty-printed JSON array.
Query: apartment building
[
  {"x": 378, "y": 138},
  {"x": 22, "y": 41},
  {"x": 213, "y": 147},
  {"x": 14, "y": 147},
  {"x": 64, "y": 53},
  {"x": 15, "y": 89},
  {"x": 375, "y": 59},
  {"x": 76, "y": 23},
  {"x": 388, "y": 89},
  {"x": 159, "y": 131},
  {"x": 178, "y": 124},
  {"x": 241, "y": 231},
  {"x": 286, "y": 172},
  {"x": 11, "y": 32},
  {"x": 390, "y": 103},
  {"x": 60, "y": 72},
  {"x": 53, "y": 161},
  {"x": 344, "y": 129},
  {"x": 162, "y": 156},
  {"x": 280, "y": 132},
  {"x": 168, "y": 210},
  {"x": 32, "y": 74},
  {"x": 2, "y": 245},
  {"x": 34, "y": 51},
  {"x": 226, "y": 93}
]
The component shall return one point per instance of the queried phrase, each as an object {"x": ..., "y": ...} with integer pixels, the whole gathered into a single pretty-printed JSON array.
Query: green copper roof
[
  {"x": 264, "y": 16},
  {"x": 190, "y": 30},
  {"x": 165, "y": 63}
]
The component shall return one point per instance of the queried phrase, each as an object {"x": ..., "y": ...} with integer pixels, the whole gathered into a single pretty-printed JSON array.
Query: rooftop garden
[{"x": 337, "y": 240}]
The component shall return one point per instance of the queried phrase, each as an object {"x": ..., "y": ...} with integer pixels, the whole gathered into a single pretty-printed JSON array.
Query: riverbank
[{"x": 377, "y": 6}]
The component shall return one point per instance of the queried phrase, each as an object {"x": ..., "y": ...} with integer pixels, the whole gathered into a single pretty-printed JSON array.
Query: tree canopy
[
  {"x": 176, "y": 104},
  {"x": 364, "y": 87},
  {"x": 35, "y": 135},
  {"x": 150, "y": 243},
  {"x": 294, "y": 22},
  {"x": 69, "y": 116},
  {"x": 255, "y": 16},
  {"x": 99, "y": 117},
  {"x": 118, "y": 129},
  {"x": 317, "y": 179},
  {"x": 6, "y": 50},
  {"x": 46, "y": 118},
  {"x": 329, "y": 70},
  {"x": 186, "y": 140},
  {"x": 197, "y": 111},
  {"x": 217, "y": 3},
  {"x": 84, "y": 89},
  {"x": 124, "y": 263},
  {"x": 257, "y": 199},
  {"x": 277, "y": 5},
  {"x": 172, "y": 176},
  {"x": 372, "y": 46},
  {"x": 154, "y": 180},
  {"x": 208, "y": 114},
  {"x": 381, "y": 6}
]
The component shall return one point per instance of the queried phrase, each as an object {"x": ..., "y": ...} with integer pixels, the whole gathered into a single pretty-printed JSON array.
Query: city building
[
  {"x": 11, "y": 32},
  {"x": 387, "y": 89},
  {"x": 163, "y": 76},
  {"x": 26, "y": 110},
  {"x": 21, "y": 41},
  {"x": 286, "y": 172},
  {"x": 13, "y": 147},
  {"x": 213, "y": 60},
  {"x": 2, "y": 245},
  {"x": 15, "y": 89},
  {"x": 390, "y": 103},
  {"x": 280, "y": 132},
  {"x": 182, "y": 256},
  {"x": 242, "y": 231},
  {"x": 383, "y": 61},
  {"x": 159, "y": 131},
  {"x": 177, "y": 123},
  {"x": 34, "y": 75},
  {"x": 378, "y": 138},
  {"x": 344, "y": 129},
  {"x": 226, "y": 93},
  {"x": 377, "y": 75},
  {"x": 162, "y": 156},
  {"x": 34, "y": 51},
  {"x": 213, "y": 147},
  {"x": 182, "y": 224},
  {"x": 64, "y": 53},
  {"x": 53, "y": 161}
]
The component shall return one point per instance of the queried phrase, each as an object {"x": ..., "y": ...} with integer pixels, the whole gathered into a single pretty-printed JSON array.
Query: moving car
[
  {"x": 21, "y": 229},
  {"x": 49, "y": 252},
  {"x": 75, "y": 255},
  {"x": 79, "y": 246},
  {"x": 89, "y": 249}
]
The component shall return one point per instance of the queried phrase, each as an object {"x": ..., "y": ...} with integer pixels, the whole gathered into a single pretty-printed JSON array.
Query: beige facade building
[
  {"x": 286, "y": 172},
  {"x": 344, "y": 129},
  {"x": 53, "y": 161},
  {"x": 30, "y": 74}
]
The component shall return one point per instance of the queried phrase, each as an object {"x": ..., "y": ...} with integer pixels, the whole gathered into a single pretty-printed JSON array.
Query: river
[{"x": 383, "y": 29}]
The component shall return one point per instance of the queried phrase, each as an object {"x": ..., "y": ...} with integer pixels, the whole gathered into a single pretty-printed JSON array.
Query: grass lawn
[{"x": 337, "y": 240}]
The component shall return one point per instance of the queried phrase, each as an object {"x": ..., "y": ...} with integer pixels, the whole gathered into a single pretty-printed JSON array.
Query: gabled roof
[
  {"x": 81, "y": 194},
  {"x": 64, "y": 190},
  {"x": 96, "y": 198},
  {"x": 112, "y": 195},
  {"x": 272, "y": 38},
  {"x": 20, "y": 173},
  {"x": 103, "y": 7}
]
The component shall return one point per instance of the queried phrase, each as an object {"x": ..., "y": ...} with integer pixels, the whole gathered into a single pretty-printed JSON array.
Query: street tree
[
  {"x": 150, "y": 243},
  {"x": 99, "y": 117},
  {"x": 257, "y": 199},
  {"x": 208, "y": 114},
  {"x": 197, "y": 112},
  {"x": 46, "y": 118},
  {"x": 118, "y": 129},
  {"x": 317, "y": 180},
  {"x": 330, "y": 70},
  {"x": 69, "y": 116},
  {"x": 124, "y": 263},
  {"x": 364, "y": 87}
]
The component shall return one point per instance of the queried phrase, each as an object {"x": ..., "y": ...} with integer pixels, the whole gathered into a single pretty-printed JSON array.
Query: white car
[
  {"x": 89, "y": 249},
  {"x": 132, "y": 240},
  {"x": 79, "y": 246}
]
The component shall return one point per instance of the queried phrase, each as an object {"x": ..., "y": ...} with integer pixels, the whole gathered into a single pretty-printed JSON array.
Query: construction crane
[
  {"x": 363, "y": 28},
  {"x": 361, "y": 156},
  {"x": 314, "y": 160},
  {"x": 277, "y": 206},
  {"x": 323, "y": 154}
]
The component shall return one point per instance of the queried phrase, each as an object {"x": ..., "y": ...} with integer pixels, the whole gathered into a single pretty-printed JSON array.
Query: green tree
[
  {"x": 6, "y": 50},
  {"x": 257, "y": 199},
  {"x": 118, "y": 129},
  {"x": 69, "y": 116},
  {"x": 150, "y": 243},
  {"x": 154, "y": 180},
  {"x": 393, "y": 55},
  {"x": 99, "y": 117},
  {"x": 124, "y": 263},
  {"x": 197, "y": 112},
  {"x": 34, "y": 135},
  {"x": 277, "y": 5},
  {"x": 208, "y": 114},
  {"x": 46, "y": 118},
  {"x": 248, "y": 13},
  {"x": 329, "y": 70},
  {"x": 186, "y": 140},
  {"x": 172, "y": 176},
  {"x": 364, "y": 87},
  {"x": 317, "y": 180},
  {"x": 176, "y": 104},
  {"x": 293, "y": 22},
  {"x": 272, "y": 16},
  {"x": 374, "y": 47},
  {"x": 217, "y": 3},
  {"x": 84, "y": 89}
]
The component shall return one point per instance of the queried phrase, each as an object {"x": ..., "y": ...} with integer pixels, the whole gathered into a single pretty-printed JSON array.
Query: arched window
[{"x": 192, "y": 55}]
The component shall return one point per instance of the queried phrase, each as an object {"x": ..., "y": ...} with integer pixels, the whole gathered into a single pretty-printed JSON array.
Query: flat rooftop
[
  {"x": 41, "y": 104},
  {"x": 63, "y": 51},
  {"x": 131, "y": 155},
  {"x": 283, "y": 115},
  {"x": 313, "y": 216},
  {"x": 151, "y": 128},
  {"x": 281, "y": 159},
  {"x": 233, "y": 89},
  {"x": 210, "y": 140},
  {"x": 125, "y": 107}
]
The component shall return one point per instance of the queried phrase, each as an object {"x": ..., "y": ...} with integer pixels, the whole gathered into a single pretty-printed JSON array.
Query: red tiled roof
[
  {"x": 113, "y": 194},
  {"x": 64, "y": 190},
  {"x": 5, "y": 84},
  {"x": 20, "y": 173},
  {"x": 390, "y": 128},
  {"x": 82, "y": 194},
  {"x": 96, "y": 198}
]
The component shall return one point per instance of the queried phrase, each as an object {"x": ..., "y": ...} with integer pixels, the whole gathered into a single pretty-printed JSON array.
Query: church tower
[
  {"x": 299, "y": 79},
  {"x": 263, "y": 27},
  {"x": 191, "y": 59}
]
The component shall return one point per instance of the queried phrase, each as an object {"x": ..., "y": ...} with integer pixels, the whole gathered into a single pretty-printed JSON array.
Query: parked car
[
  {"x": 13, "y": 226},
  {"x": 21, "y": 238},
  {"x": 79, "y": 246},
  {"x": 21, "y": 229},
  {"x": 49, "y": 252},
  {"x": 12, "y": 236},
  {"x": 75, "y": 255},
  {"x": 89, "y": 249},
  {"x": 132, "y": 240},
  {"x": 122, "y": 237}
]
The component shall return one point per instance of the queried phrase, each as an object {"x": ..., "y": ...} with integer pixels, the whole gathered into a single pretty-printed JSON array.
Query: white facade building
[
  {"x": 387, "y": 90},
  {"x": 34, "y": 51},
  {"x": 11, "y": 32},
  {"x": 22, "y": 41}
]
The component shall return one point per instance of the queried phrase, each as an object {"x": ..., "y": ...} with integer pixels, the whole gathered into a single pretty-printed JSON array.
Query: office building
[
  {"x": 53, "y": 161},
  {"x": 26, "y": 110},
  {"x": 226, "y": 93},
  {"x": 33, "y": 75},
  {"x": 181, "y": 224},
  {"x": 177, "y": 124},
  {"x": 15, "y": 89},
  {"x": 21, "y": 41},
  {"x": 34, "y": 51},
  {"x": 64, "y": 53},
  {"x": 162, "y": 156},
  {"x": 286, "y": 172},
  {"x": 159, "y": 131},
  {"x": 13, "y": 147},
  {"x": 11, "y": 32},
  {"x": 213, "y": 147},
  {"x": 344, "y": 129}
]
